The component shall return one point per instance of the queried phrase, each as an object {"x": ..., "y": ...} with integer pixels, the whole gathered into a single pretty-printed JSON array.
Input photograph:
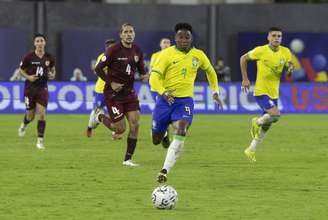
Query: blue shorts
[
  {"x": 164, "y": 114},
  {"x": 265, "y": 102},
  {"x": 99, "y": 100}
]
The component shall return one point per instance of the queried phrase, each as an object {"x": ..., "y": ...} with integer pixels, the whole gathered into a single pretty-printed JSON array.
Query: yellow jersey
[
  {"x": 100, "y": 84},
  {"x": 153, "y": 58},
  {"x": 177, "y": 70},
  {"x": 270, "y": 65}
]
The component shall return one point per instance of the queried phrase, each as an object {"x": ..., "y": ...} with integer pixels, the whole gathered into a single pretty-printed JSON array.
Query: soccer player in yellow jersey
[
  {"x": 172, "y": 77},
  {"x": 271, "y": 60},
  {"x": 163, "y": 44},
  {"x": 99, "y": 101}
]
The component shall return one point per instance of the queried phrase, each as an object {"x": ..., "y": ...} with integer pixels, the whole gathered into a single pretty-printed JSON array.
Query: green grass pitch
[{"x": 83, "y": 178}]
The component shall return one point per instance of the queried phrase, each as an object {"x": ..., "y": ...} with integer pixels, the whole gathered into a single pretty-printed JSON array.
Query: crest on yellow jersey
[
  {"x": 194, "y": 62},
  {"x": 282, "y": 61}
]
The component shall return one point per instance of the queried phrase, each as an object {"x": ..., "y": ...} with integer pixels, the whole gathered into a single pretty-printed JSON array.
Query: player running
[
  {"x": 99, "y": 101},
  {"x": 37, "y": 67},
  {"x": 172, "y": 77},
  {"x": 271, "y": 60},
  {"x": 122, "y": 60},
  {"x": 163, "y": 44}
]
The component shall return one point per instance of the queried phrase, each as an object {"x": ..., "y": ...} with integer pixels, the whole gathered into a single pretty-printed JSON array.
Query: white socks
[
  {"x": 90, "y": 123},
  {"x": 255, "y": 142},
  {"x": 173, "y": 152}
]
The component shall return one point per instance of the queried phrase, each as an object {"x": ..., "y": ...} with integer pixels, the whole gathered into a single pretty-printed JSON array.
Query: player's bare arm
[
  {"x": 218, "y": 100},
  {"x": 289, "y": 68},
  {"x": 245, "y": 84},
  {"x": 116, "y": 86},
  {"x": 145, "y": 77},
  {"x": 168, "y": 96},
  {"x": 30, "y": 78},
  {"x": 52, "y": 73}
]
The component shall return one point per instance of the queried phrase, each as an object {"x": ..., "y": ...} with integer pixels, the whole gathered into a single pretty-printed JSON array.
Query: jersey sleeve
[
  {"x": 25, "y": 62},
  {"x": 141, "y": 64},
  {"x": 157, "y": 73},
  {"x": 288, "y": 55},
  {"x": 255, "y": 54},
  {"x": 104, "y": 61},
  {"x": 99, "y": 58},
  {"x": 161, "y": 63},
  {"x": 210, "y": 72}
]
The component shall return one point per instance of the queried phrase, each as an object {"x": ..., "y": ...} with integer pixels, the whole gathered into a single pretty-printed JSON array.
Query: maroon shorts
[
  {"x": 117, "y": 108},
  {"x": 33, "y": 96}
]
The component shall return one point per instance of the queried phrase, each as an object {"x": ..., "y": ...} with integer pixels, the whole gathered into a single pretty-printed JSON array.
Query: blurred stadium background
[{"x": 76, "y": 32}]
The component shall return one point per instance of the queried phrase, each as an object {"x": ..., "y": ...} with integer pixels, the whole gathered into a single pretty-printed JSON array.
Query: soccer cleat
[
  {"x": 21, "y": 131},
  {"x": 39, "y": 144},
  {"x": 130, "y": 163},
  {"x": 96, "y": 120},
  {"x": 162, "y": 176},
  {"x": 250, "y": 155},
  {"x": 92, "y": 123},
  {"x": 166, "y": 141},
  {"x": 88, "y": 132},
  {"x": 255, "y": 129}
]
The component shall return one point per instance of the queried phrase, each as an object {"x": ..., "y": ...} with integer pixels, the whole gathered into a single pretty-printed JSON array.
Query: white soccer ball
[{"x": 164, "y": 197}]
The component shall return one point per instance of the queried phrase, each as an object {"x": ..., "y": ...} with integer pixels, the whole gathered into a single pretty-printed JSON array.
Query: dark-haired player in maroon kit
[
  {"x": 122, "y": 60},
  {"x": 37, "y": 67}
]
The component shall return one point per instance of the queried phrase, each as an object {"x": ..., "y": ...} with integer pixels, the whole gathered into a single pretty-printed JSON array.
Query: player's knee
[
  {"x": 30, "y": 117},
  {"x": 156, "y": 137},
  {"x": 182, "y": 131},
  {"x": 134, "y": 124},
  {"x": 275, "y": 118}
]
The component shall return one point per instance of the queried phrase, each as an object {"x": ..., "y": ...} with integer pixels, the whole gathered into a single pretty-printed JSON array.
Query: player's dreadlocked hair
[
  {"x": 183, "y": 26},
  {"x": 39, "y": 35},
  {"x": 274, "y": 29}
]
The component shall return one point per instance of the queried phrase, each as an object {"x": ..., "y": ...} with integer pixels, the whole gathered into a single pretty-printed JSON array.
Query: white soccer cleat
[
  {"x": 98, "y": 112},
  {"x": 130, "y": 163},
  {"x": 39, "y": 144},
  {"x": 92, "y": 123},
  {"x": 21, "y": 130}
]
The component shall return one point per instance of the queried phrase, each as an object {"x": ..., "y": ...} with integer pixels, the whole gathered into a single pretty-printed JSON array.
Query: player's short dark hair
[
  {"x": 39, "y": 35},
  {"x": 109, "y": 42},
  {"x": 274, "y": 29},
  {"x": 125, "y": 25},
  {"x": 182, "y": 26}
]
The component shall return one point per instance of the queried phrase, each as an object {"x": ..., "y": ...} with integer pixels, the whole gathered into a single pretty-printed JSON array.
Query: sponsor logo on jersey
[
  {"x": 136, "y": 59},
  {"x": 122, "y": 58},
  {"x": 36, "y": 63}
]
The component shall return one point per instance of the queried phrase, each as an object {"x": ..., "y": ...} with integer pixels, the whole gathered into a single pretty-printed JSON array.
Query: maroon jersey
[
  {"x": 122, "y": 64},
  {"x": 34, "y": 65}
]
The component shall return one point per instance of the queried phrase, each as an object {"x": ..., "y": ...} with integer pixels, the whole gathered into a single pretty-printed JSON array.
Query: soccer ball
[{"x": 164, "y": 197}]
